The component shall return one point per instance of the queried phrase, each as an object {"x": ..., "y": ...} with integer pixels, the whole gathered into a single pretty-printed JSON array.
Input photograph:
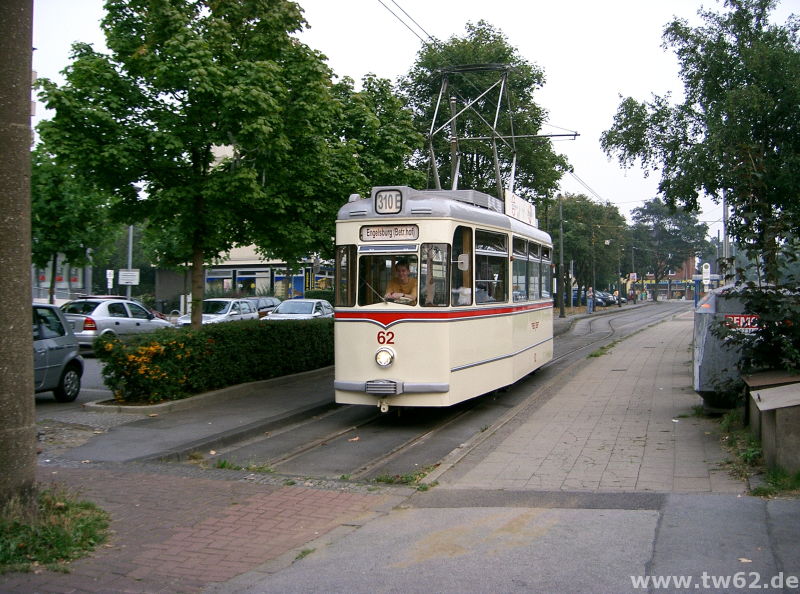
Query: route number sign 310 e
[{"x": 388, "y": 202}]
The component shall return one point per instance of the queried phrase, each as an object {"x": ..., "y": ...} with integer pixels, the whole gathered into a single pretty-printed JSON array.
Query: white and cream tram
[{"x": 440, "y": 297}]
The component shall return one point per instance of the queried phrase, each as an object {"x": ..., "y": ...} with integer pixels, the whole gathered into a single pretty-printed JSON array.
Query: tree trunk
[
  {"x": 18, "y": 418},
  {"x": 51, "y": 290},
  {"x": 198, "y": 286}
]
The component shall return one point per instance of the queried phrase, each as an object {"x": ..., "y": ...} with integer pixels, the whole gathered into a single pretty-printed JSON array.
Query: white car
[
  {"x": 300, "y": 309},
  {"x": 218, "y": 310},
  {"x": 93, "y": 317}
]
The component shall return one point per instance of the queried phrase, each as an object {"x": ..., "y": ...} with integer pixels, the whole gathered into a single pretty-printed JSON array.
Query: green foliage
[
  {"x": 326, "y": 294},
  {"x": 63, "y": 529},
  {"x": 776, "y": 342},
  {"x": 538, "y": 167},
  {"x": 183, "y": 79},
  {"x": 666, "y": 237},
  {"x": 176, "y": 363},
  {"x": 734, "y": 133},
  {"x": 381, "y": 132},
  {"x": 69, "y": 216},
  {"x": 595, "y": 236},
  {"x": 778, "y": 482}
]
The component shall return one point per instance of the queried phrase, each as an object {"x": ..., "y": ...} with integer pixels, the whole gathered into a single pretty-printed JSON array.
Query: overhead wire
[
  {"x": 434, "y": 40},
  {"x": 405, "y": 24},
  {"x": 588, "y": 188},
  {"x": 428, "y": 35}
]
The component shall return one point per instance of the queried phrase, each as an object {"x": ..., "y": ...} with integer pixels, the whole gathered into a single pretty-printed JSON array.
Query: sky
[{"x": 592, "y": 52}]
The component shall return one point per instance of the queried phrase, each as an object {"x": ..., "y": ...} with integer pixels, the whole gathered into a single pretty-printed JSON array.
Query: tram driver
[{"x": 403, "y": 287}]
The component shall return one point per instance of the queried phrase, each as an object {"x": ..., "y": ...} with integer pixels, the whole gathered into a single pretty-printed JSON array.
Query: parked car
[
  {"x": 300, "y": 309},
  {"x": 57, "y": 364},
  {"x": 155, "y": 312},
  {"x": 598, "y": 301},
  {"x": 603, "y": 298},
  {"x": 95, "y": 317},
  {"x": 219, "y": 310},
  {"x": 263, "y": 305}
]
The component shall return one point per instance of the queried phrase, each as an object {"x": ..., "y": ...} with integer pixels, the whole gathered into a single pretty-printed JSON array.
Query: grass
[
  {"x": 778, "y": 482},
  {"x": 63, "y": 529},
  {"x": 748, "y": 459},
  {"x": 228, "y": 465},
  {"x": 304, "y": 553},
  {"x": 603, "y": 350},
  {"x": 411, "y": 479}
]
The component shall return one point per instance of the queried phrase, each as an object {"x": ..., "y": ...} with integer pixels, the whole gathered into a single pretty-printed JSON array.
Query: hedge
[
  {"x": 326, "y": 294},
  {"x": 172, "y": 364}
]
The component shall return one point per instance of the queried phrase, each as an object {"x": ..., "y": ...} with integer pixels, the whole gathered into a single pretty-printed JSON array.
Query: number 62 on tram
[{"x": 440, "y": 296}]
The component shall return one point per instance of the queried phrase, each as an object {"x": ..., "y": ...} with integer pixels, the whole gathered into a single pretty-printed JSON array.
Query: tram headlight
[{"x": 384, "y": 356}]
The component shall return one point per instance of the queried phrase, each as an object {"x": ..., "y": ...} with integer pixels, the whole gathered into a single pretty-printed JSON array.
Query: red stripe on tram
[{"x": 392, "y": 317}]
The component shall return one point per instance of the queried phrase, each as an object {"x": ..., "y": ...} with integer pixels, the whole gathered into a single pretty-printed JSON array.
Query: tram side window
[
  {"x": 376, "y": 272},
  {"x": 519, "y": 270},
  {"x": 345, "y": 276},
  {"x": 534, "y": 270},
  {"x": 491, "y": 267},
  {"x": 433, "y": 274},
  {"x": 461, "y": 277},
  {"x": 547, "y": 273}
]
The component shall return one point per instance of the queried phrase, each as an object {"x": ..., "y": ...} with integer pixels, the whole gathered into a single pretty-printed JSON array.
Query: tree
[
  {"x": 594, "y": 236},
  {"x": 18, "y": 421},
  {"x": 538, "y": 167},
  {"x": 735, "y": 134},
  {"x": 675, "y": 236},
  {"x": 381, "y": 133},
  {"x": 183, "y": 79},
  {"x": 68, "y": 216}
]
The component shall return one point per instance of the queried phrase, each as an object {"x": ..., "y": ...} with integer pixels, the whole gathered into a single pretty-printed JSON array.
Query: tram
[{"x": 440, "y": 296}]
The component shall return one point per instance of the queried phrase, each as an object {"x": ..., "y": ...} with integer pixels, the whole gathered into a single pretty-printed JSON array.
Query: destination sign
[{"x": 389, "y": 233}]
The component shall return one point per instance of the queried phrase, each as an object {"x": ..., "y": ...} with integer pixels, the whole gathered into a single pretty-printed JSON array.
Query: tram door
[{"x": 461, "y": 280}]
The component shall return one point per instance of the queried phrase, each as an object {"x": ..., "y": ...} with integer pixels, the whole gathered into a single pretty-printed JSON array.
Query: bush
[
  {"x": 172, "y": 364},
  {"x": 326, "y": 294}
]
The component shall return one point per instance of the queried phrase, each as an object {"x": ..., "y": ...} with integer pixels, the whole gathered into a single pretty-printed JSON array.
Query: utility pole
[{"x": 561, "y": 275}]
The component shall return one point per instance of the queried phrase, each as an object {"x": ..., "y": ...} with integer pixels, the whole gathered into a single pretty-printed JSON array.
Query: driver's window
[{"x": 385, "y": 274}]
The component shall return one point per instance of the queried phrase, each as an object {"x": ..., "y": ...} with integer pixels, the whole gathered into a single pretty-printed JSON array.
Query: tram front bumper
[{"x": 390, "y": 387}]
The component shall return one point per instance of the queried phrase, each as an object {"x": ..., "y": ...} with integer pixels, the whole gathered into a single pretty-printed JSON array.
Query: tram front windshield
[{"x": 405, "y": 279}]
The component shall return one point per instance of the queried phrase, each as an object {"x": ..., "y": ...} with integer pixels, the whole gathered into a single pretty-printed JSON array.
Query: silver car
[
  {"x": 122, "y": 318},
  {"x": 263, "y": 305},
  {"x": 222, "y": 310},
  {"x": 57, "y": 364},
  {"x": 301, "y": 309}
]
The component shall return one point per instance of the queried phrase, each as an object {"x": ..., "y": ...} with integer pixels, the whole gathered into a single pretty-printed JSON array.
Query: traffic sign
[
  {"x": 129, "y": 276},
  {"x": 706, "y": 273}
]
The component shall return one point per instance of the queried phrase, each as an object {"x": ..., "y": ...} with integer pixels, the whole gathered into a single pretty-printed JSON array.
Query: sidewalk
[
  {"x": 624, "y": 422},
  {"x": 606, "y": 477},
  {"x": 607, "y": 484}
]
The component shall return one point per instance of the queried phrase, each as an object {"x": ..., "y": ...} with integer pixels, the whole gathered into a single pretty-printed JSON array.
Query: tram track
[{"x": 359, "y": 444}]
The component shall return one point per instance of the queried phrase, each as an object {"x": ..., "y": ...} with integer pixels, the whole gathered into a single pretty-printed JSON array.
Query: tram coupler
[{"x": 384, "y": 406}]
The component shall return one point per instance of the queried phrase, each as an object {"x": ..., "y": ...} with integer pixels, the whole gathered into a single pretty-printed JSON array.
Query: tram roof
[{"x": 466, "y": 205}]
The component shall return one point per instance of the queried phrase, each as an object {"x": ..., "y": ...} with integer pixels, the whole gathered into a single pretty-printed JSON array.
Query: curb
[
  {"x": 198, "y": 400},
  {"x": 225, "y": 438}
]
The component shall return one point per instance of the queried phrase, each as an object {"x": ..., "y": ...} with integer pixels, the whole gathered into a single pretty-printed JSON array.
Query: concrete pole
[
  {"x": 562, "y": 285},
  {"x": 17, "y": 403}
]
